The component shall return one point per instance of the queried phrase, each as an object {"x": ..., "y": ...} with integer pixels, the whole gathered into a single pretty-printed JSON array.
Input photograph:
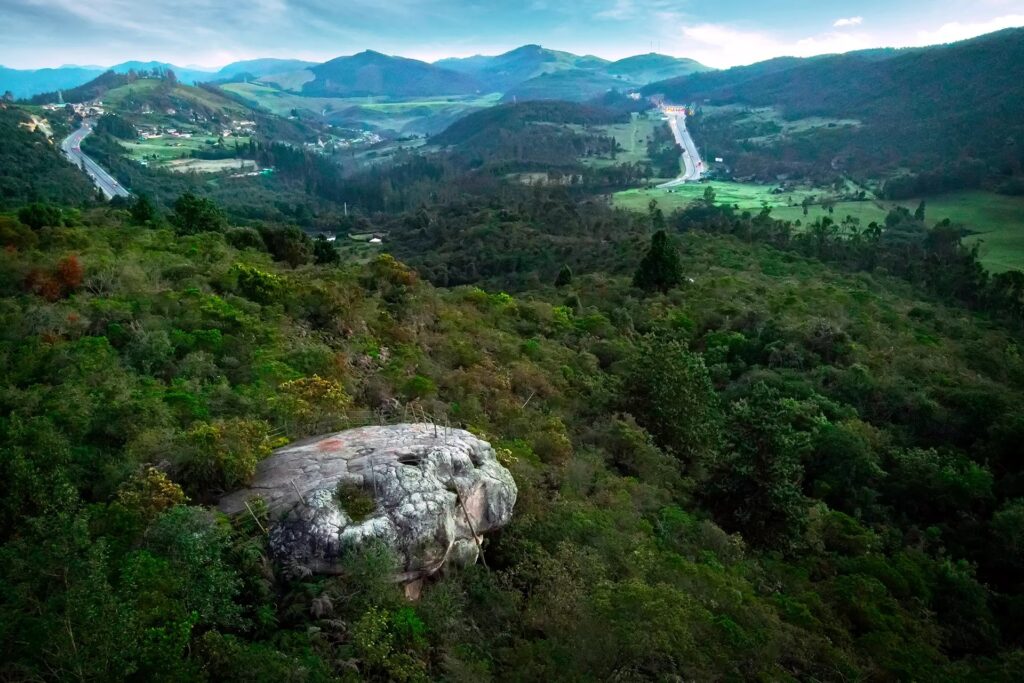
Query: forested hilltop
[{"x": 742, "y": 451}]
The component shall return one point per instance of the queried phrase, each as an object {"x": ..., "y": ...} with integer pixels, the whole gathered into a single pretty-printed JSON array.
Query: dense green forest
[
  {"x": 31, "y": 167},
  {"x": 745, "y": 448},
  {"x": 791, "y": 456}
]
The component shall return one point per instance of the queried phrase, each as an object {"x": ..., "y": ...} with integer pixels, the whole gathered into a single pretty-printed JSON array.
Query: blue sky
[{"x": 720, "y": 33}]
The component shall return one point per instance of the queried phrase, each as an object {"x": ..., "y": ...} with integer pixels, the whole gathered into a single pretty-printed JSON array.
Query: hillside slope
[
  {"x": 652, "y": 67},
  {"x": 532, "y": 72},
  {"x": 531, "y": 134},
  {"x": 570, "y": 85},
  {"x": 261, "y": 67},
  {"x": 502, "y": 72},
  {"x": 485, "y": 124},
  {"x": 371, "y": 73},
  {"x": 31, "y": 166},
  {"x": 24, "y": 83},
  {"x": 919, "y": 106}
]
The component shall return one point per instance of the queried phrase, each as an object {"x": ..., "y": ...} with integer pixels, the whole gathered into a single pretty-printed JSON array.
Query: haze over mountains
[
  {"x": 24, "y": 83},
  {"x": 373, "y": 73}
]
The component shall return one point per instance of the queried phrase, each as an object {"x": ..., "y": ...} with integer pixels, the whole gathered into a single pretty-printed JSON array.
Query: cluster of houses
[
  {"x": 150, "y": 132},
  {"x": 83, "y": 109},
  {"x": 337, "y": 144},
  {"x": 235, "y": 128}
]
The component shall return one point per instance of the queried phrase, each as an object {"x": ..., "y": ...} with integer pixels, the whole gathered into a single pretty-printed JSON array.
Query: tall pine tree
[{"x": 660, "y": 270}]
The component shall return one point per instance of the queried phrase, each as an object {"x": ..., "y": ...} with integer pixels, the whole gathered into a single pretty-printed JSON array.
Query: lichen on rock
[{"x": 434, "y": 492}]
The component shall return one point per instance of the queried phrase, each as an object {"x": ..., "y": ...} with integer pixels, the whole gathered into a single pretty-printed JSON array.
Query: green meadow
[
  {"x": 161, "y": 150},
  {"x": 632, "y": 138},
  {"x": 994, "y": 221}
]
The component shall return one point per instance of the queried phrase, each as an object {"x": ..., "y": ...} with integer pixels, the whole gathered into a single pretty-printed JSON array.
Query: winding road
[
  {"x": 692, "y": 163},
  {"x": 72, "y": 149}
]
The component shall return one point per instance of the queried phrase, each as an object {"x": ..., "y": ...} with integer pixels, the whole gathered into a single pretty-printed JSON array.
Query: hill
[
  {"x": 781, "y": 470},
  {"x": 258, "y": 68},
  {"x": 371, "y": 73},
  {"x": 652, "y": 67},
  {"x": 89, "y": 90},
  {"x": 529, "y": 135},
  {"x": 183, "y": 74},
  {"x": 535, "y": 72},
  {"x": 31, "y": 166},
  {"x": 919, "y": 106},
  {"x": 502, "y": 72},
  {"x": 26, "y": 83},
  {"x": 512, "y": 117},
  {"x": 570, "y": 85},
  {"x": 133, "y": 93}
]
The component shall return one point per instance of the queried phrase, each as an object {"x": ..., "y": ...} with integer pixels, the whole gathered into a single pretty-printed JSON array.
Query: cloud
[
  {"x": 722, "y": 45},
  {"x": 38, "y": 32},
  {"x": 621, "y": 9},
  {"x": 848, "y": 21},
  {"x": 955, "y": 30}
]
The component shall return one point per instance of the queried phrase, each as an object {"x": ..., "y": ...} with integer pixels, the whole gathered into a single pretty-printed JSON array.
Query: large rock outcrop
[{"x": 427, "y": 492}]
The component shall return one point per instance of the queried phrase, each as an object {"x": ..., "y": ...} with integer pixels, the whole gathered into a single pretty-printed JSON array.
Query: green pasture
[
  {"x": 161, "y": 150},
  {"x": 632, "y": 138},
  {"x": 995, "y": 222}
]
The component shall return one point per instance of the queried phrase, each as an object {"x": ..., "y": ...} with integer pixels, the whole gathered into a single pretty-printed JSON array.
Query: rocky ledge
[{"x": 427, "y": 492}]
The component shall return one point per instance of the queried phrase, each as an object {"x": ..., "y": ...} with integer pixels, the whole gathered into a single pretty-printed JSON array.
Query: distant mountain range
[
  {"x": 557, "y": 75},
  {"x": 24, "y": 83},
  {"x": 536, "y": 73}
]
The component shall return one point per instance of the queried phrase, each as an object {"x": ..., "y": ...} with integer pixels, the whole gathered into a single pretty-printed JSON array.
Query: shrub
[
  {"x": 222, "y": 455},
  {"x": 257, "y": 285},
  {"x": 39, "y": 215},
  {"x": 69, "y": 273},
  {"x": 419, "y": 387},
  {"x": 289, "y": 245},
  {"x": 311, "y": 403},
  {"x": 245, "y": 238},
  {"x": 355, "y": 501},
  {"x": 668, "y": 390},
  {"x": 149, "y": 493},
  {"x": 193, "y": 215},
  {"x": 324, "y": 251}
]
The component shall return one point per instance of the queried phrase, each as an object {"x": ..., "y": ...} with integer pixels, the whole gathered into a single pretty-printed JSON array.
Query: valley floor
[{"x": 993, "y": 220}]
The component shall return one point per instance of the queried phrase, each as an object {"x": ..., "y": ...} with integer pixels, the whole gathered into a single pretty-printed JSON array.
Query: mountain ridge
[{"x": 371, "y": 73}]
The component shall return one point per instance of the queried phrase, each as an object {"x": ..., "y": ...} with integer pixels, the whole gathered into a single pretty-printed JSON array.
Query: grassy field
[
  {"x": 210, "y": 165},
  {"x": 161, "y": 151},
  {"x": 996, "y": 221},
  {"x": 291, "y": 80},
  {"x": 865, "y": 212},
  {"x": 632, "y": 137},
  {"x": 745, "y": 195}
]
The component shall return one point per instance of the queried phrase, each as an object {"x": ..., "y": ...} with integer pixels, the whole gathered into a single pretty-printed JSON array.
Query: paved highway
[
  {"x": 72, "y": 148},
  {"x": 692, "y": 163}
]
